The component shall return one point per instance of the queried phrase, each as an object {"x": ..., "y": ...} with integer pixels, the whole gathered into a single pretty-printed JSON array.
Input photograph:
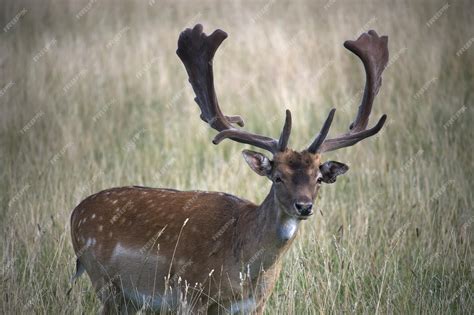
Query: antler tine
[
  {"x": 266, "y": 143},
  {"x": 196, "y": 50},
  {"x": 373, "y": 52},
  {"x": 313, "y": 148},
  {"x": 285, "y": 133}
]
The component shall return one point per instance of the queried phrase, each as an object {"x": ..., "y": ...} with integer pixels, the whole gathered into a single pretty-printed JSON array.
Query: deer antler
[
  {"x": 196, "y": 50},
  {"x": 373, "y": 52}
]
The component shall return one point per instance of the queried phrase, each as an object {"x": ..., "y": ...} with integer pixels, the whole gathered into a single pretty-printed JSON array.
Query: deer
[{"x": 159, "y": 249}]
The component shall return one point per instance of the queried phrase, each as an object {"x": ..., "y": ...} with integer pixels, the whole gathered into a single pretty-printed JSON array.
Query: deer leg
[
  {"x": 118, "y": 305},
  {"x": 110, "y": 307},
  {"x": 266, "y": 284},
  {"x": 114, "y": 302}
]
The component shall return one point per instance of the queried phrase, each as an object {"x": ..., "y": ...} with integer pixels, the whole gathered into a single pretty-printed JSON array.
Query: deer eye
[{"x": 277, "y": 179}]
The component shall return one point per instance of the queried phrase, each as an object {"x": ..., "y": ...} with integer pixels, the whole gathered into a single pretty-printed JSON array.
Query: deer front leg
[
  {"x": 255, "y": 303},
  {"x": 266, "y": 284}
]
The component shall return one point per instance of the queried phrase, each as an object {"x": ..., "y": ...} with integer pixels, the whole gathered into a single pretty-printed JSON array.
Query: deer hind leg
[
  {"x": 245, "y": 306},
  {"x": 111, "y": 295}
]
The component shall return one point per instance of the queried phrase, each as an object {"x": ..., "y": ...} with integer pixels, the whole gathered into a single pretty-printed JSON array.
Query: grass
[{"x": 93, "y": 96}]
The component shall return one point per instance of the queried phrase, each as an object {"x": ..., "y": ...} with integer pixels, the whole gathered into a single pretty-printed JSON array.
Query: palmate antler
[
  {"x": 373, "y": 51},
  {"x": 196, "y": 50}
]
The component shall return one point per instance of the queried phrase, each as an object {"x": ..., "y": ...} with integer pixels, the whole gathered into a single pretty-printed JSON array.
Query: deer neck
[
  {"x": 274, "y": 228},
  {"x": 280, "y": 226}
]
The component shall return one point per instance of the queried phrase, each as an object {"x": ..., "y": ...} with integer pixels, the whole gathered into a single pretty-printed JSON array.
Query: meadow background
[{"x": 92, "y": 96}]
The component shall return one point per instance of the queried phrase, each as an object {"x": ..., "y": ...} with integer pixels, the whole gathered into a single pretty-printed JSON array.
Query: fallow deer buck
[{"x": 160, "y": 249}]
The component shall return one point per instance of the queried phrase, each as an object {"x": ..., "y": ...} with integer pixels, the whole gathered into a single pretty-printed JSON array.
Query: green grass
[{"x": 108, "y": 104}]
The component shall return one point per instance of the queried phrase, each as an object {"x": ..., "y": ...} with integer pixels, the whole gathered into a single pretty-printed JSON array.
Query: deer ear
[
  {"x": 258, "y": 162},
  {"x": 331, "y": 169}
]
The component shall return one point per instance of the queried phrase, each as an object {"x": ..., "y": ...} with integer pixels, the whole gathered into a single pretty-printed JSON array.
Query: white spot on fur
[
  {"x": 90, "y": 242},
  {"x": 101, "y": 228},
  {"x": 93, "y": 217}
]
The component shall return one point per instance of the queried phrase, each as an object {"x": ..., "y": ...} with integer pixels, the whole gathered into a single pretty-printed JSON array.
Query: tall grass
[{"x": 93, "y": 96}]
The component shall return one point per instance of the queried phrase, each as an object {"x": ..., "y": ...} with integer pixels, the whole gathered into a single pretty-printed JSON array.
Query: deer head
[{"x": 295, "y": 175}]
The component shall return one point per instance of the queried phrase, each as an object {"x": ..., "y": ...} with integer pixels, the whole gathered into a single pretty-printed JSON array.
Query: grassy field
[{"x": 92, "y": 96}]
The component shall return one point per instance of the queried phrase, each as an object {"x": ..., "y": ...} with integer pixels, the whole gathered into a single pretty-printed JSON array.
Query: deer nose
[{"x": 304, "y": 208}]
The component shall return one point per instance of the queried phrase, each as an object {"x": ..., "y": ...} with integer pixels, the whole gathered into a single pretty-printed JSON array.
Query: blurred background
[{"x": 92, "y": 96}]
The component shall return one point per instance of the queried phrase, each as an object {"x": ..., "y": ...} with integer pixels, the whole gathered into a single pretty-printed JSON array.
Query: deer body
[
  {"x": 211, "y": 252},
  {"x": 136, "y": 245}
]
